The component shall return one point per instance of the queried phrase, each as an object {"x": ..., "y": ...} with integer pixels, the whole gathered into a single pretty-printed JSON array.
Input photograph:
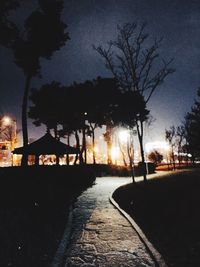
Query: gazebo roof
[{"x": 46, "y": 145}]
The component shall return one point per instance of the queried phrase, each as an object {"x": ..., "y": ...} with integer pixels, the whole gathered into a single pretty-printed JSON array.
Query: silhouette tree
[
  {"x": 192, "y": 128},
  {"x": 133, "y": 61},
  {"x": 106, "y": 101},
  {"x": 8, "y": 30},
  {"x": 131, "y": 108},
  {"x": 102, "y": 103},
  {"x": 44, "y": 34},
  {"x": 126, "y": 147},
  {"x": 155, "y": 157},
  {"x": 96, "y": 105},
  {"x": 93, "y": 110},
  {"x": 97, "y": 100},
  {"x": 180, "y": 141},
  {"x": 48, "y": 106},
  {"x": 170, "y": 136},
  {"x": 115, "y": 107}
]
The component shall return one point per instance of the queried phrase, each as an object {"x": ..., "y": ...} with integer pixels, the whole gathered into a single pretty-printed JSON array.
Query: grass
[
  {"x": 167, "y": 210},
  {"x": 34, "y": 208},
  {"x": 30, "y": 234}
]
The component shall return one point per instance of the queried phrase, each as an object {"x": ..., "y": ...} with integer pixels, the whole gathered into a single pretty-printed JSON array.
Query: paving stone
[
  {"x": 102, "y": 247},
  {"x": 74, "y": 261},
  {"x": 101, "y": 236},
  {"x": 88, "y": 236}
]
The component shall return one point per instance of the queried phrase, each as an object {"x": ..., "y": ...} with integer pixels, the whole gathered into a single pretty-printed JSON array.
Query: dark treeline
[
  {"x": 192, "y": 129},
  {"x": 81, "y": 108},
  {"x": 184, "y": 139}
]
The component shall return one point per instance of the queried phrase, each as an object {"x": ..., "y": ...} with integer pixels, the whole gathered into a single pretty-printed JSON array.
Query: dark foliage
[
  {"x": 34, "y": 208},
  {"x": 44, "y": 34},
  {"x": 98, "y": 102},
  {"x": 192, "y": 128},
  {"x": 155, "y": 157},
  {"x": 48, "y": 105},
  {"x": 8, "y": 30}
]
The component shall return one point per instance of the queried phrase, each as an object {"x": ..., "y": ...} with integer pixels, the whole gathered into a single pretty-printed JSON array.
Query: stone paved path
[{"x": 101, "y": 236}]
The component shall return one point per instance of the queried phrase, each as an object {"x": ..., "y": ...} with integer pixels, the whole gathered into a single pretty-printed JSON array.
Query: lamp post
[
  {"x": 8, "y": 132},
  {"x": 134, "y": 133},
  {"x": 84, "y": 145},
  {"x": 127, "y": 137}
]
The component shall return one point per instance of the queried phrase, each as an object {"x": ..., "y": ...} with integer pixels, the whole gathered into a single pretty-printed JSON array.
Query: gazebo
[{"x": 46, "y": 145}]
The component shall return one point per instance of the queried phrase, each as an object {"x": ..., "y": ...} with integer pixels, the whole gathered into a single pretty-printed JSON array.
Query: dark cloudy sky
[{"x": 95, "y": 22}]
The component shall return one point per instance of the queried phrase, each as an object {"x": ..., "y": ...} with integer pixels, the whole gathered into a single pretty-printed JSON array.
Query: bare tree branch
[{"x": 133, "y": 62}]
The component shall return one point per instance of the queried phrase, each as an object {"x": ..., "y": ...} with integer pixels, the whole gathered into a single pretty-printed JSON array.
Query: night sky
[{"x": 95, "y": 22}]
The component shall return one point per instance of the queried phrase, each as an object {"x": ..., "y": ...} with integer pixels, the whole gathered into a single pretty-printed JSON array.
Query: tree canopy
[
  {"x": 155, "y": 157},
  {"x": 8, "y": 29},
  {"x": 44, "y": 34},
  {"x": 192, "y": 127},
  {"x": 83, "y": 107},
  {"x": 99, "y": 101}
]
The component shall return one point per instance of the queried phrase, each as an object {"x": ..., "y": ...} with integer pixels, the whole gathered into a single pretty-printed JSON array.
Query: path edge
[
  {"x": 156, "y": 256},
  {"x": 60, "y": 254}
]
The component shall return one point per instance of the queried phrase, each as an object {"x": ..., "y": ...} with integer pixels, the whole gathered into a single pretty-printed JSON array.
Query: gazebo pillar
[
  {"x": 57, "y": 159},
  {"x": 37, "y": 157},
  {"x": 67, "y": 159}
]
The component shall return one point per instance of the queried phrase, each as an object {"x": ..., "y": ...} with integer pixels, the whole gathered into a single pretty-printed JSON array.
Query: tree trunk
[
  {"x": 179, "y": 156},
  {"x": 130, "y": 151},
  {"x": 109, "y": 144},
  {"x": 67, "y": 156},
  {"x": 37, "y": 157},
  {"x": 140, "y": 138},
  {"x": 56, "y": 132},
  {"x": 84, "y": 149},
  {"x": 57, "y": 159},
  {"x": 78, "y": 146},
  {"x": 24, "y": 161},
  {"x": 122, "y": 152},
  {"x": 173, "y": 159},
  {"x": 93, "y": 146}
]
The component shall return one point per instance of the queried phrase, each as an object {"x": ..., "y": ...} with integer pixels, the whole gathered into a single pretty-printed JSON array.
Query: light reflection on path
[{"x": 101, "y": 236}]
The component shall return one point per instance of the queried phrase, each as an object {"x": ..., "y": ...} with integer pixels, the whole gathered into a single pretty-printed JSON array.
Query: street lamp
[
  {"x": 123, "y": 136},
  {"x": 6, "y": 120},
  {"x": 8, "y": 133}
]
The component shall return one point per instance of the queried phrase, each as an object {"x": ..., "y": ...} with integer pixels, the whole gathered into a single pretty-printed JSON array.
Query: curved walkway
[{"x": 101, "y": 235}]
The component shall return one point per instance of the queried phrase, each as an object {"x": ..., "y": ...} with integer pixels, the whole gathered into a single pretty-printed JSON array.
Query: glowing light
[
  {"x": 6, "y": 120},
  {"x": 123, "y": 136},
  {"x": 115, "y": 152},
  {"x": 157, "y": 145},
  {"x": 96, "y": 149}
]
